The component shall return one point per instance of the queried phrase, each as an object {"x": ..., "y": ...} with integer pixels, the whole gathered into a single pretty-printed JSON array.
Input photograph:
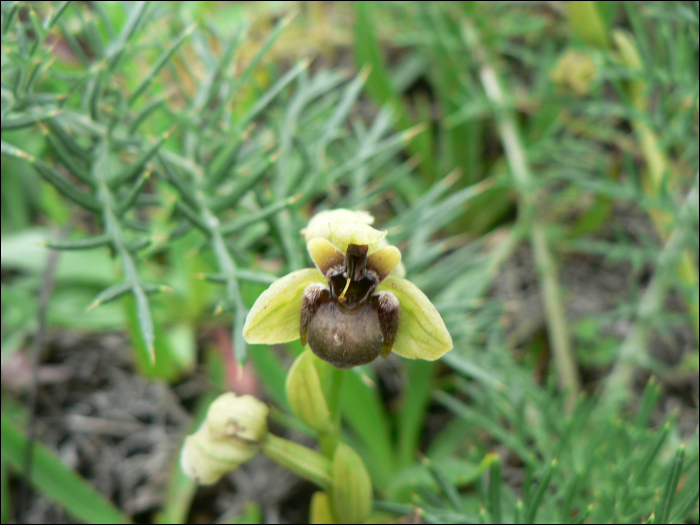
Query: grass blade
[{"x": 57, "y": 481}]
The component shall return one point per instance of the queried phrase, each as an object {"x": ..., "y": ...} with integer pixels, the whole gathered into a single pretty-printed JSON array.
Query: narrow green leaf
[
  {"x": 584, "y": 514},
  {"x": 240, "y": 345},
  {"x": 162, "y": 60},
  {"x": 116, "y": 49},
  {"x": 110, "y": 294},
  {"x": 380, "y": 87},
  {"x": 650, "y": 398},
  {"x": 9, "y": 16},
  {"x": 252, "y": 514},
  {"x": 221, "y": 165},
  {"x": 65, "y": 187},
  {"x": 444, "y": 484},
  {"x": 69, "y": 161},
  {"x": 20, "y": 121},
  {"x": 146, "y": 112},
  {"x": 272, "y": 92},
  {"x": 193, "y": 217},
  {"x": 56, "y": 480},
  {"x": 94, "y": 94},
  {"x": 54, "y": 177},
  {"x": 253, "y": 217},
  {"x": 124, "y": 205},
  {"x": 671, "y": 485},
  {"x": 264, "y": 48},
  {"x": 341, "y": 111},
  {"x": 652, "y": 451},
  {"x": 74, "y": 45},
  {"x": 61, "y": 130},
  {"x": 211, "y": 87},
  {"x": 572, "y": 489},
  {"x": 143, "y": 311},
  {"x": 4, "y": 491},
  {"x": 476, "y": 419},
  {"x": 684, "y": 507},
  {"x": 39, "y": 36},
  {"x": 534, "y": 504},
  {"x": 242, "y": 186},
  {"x": 58, "y": 11},
  {"x": 133, "y": 170},
  {"x": 85, "y": 243},
  {"x": 588, "y": 24},
  {"x": 495, "y": 490}
]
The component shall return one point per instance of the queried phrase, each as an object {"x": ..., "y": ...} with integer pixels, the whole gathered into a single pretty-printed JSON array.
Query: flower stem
[{"x": 301, "y": 460}]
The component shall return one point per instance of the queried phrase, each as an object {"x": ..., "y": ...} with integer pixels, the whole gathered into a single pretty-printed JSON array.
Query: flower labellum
[{"x": 353, "y": 306}]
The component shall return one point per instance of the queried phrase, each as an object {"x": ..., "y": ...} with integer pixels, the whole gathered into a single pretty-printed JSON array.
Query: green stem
[{"x": 301, "y": 460}]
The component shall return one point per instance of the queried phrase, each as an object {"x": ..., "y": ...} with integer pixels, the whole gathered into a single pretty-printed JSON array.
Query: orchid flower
[{"x": 354, "y": 305}]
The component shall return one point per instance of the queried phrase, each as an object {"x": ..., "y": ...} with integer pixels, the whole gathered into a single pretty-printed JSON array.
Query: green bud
[
  {"x": 574, "y": 71},
  {"x": 320, "y": 511},
  {"x": 305, "y": 394},
  {"x": 629, "y": 56},
  {"x": 243, "y": 417},
  {"x": 351, "y": 493},
  {"x": 231, "y": 435}
]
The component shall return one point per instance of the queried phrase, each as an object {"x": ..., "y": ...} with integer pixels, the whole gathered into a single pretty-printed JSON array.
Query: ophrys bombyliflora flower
[{"x": 353, "y": 306}]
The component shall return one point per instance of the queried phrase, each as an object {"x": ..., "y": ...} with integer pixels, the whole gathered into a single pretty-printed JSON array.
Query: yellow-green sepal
[
  {"x": 422, "y": 333},
  {"x": 275, "y": 316},
  {"x": 305, "y": 394}
]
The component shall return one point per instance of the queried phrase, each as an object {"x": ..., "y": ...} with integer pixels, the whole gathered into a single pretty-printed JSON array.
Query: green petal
[
  {"x": 325, "y": 254},
  {"x": 422, "y": 333},
  {"x": 320, "y": 224},
  {"x": 355, "y": 233},
  {"x": 384, "y": 260},
  {"x": 275, "y": 316}
]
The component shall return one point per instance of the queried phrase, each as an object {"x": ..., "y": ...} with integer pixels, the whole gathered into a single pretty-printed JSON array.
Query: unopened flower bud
[
  {"x": 351, "y": 492},
  {"x": 305, "y": 394},
  {"x": 320, "y": 509},
  {"x": 231, "y": 435}
]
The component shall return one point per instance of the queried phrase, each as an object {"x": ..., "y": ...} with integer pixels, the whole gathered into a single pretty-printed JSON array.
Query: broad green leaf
[
  {"x": 411, "y": 415},
  {"x": 362, "y": 407}
]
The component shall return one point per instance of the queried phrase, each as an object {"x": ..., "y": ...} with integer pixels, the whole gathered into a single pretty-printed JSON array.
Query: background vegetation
[{"x": 537, "y": 164}]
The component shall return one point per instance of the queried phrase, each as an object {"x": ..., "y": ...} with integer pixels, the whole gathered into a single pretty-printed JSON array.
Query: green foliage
[{"x": 179, "y": 159}]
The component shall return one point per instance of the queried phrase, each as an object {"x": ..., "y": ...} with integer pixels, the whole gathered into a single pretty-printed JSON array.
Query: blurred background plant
[{"x": 536, "y": 164}]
